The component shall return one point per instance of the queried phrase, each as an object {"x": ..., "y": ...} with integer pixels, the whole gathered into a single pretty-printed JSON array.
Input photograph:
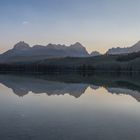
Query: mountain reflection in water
[
  {"x": 70, "y": 107},
  {"x": 74, "y": 85}
]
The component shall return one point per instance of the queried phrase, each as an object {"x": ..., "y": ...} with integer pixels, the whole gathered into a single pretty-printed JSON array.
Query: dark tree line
[
  {"x": 129, "y": 57},
  {"x": 42, "y": 68},
  {"x": 83, "y": 68}
]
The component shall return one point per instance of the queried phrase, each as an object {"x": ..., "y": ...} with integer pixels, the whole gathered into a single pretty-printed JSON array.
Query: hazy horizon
[{"x": 97, "y": 25}]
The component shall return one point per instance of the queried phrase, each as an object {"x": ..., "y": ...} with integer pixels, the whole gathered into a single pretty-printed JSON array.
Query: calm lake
[{"x": 70, "y": 107}]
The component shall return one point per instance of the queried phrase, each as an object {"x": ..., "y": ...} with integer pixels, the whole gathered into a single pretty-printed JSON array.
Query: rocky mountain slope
[{"x": 127, "y": 50}]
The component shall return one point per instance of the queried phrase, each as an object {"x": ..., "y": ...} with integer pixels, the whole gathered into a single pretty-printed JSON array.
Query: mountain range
[
  {"x": 23, "y": 52},
  {"x": 127, "y": 50}
]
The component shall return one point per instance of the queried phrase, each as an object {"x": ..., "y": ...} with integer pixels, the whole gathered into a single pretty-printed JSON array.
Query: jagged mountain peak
[
  {"x": 77, "y": 45},
  {"x": 56, "y": 46},
  {"x": 21, "y": 46}
]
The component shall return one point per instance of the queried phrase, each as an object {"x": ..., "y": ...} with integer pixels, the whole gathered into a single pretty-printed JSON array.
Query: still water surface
[{"x": 69, "y": 108}]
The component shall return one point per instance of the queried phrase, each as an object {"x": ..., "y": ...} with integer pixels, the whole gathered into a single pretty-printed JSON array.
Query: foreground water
[{"x": 69, "y": 107}]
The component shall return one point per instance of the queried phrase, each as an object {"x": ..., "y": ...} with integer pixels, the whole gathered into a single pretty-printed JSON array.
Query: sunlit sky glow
[{"x": 97, "y": 24}]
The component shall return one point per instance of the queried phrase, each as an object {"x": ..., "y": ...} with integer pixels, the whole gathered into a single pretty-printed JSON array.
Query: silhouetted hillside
[{"x": 129, "y": 57}]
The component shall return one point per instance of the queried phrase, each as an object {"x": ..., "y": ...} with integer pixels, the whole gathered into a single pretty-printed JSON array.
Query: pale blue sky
[{"x": 97, "y": 24}]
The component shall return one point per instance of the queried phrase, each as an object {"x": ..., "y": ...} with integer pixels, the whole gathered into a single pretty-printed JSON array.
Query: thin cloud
[{"x": 25, "y": 22}]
